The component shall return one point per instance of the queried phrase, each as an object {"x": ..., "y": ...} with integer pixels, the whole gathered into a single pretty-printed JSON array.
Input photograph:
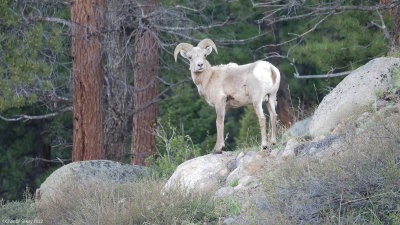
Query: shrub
[
  {"x": 249, "y": 133},
  {"x": 18, "y": 211},
  {"x": 235, "y": 182},
  {"x": 172, "y": 150}
]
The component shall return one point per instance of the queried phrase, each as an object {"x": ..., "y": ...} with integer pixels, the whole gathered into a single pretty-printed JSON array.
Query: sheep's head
[{"x": 196, "y": 55}]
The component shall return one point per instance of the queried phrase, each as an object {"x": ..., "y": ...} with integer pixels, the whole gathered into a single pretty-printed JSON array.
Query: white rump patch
[{"x": 261, "y": 71}]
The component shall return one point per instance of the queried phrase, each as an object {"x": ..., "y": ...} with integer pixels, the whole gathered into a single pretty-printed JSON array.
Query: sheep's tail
[{"x": 275, "y": 75}]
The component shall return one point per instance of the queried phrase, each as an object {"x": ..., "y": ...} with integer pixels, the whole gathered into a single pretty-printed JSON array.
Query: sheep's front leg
[
  {"x": 220, "y": 128},
  {"x": 261, "y": 119}
]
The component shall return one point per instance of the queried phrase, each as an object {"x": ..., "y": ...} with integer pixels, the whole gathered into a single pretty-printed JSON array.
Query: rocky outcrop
[
  {"x": 200, "y": 174},
  {"x": 353, "y": 95},
  {"x": 86, "y": 173},
  {"x": 300, "y": 128},
  {"x": 240, "y": 178},
  {"x": 207, "y": 173},
  {"x": 246, "y": 164}
]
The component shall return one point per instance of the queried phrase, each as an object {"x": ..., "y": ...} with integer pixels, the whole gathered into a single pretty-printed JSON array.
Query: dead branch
[
  {"x": 328, "y": 75},
  {"x": 37, "y": 159},
  {"x": 304, "y": 11},
  {"x": 36, "y": 117},
  {"x": 53, "y": 20},
  {"x": 158, "y": 97},
  {"x": 384, "y": 29}
]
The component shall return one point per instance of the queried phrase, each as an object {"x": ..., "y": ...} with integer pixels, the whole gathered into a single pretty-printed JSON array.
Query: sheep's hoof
[{"x": 217, "y": 152}]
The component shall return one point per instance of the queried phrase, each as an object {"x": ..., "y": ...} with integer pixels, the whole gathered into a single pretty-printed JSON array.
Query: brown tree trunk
[
  {"x": 115, "y": 94},
  {"x": 87, "y": 17},
  {"x": 395, "y": 33},
  {"x": 145, "y": 87},
  {"x": 45, "y": 153},
  {"x": 285, "y": 109},
  {"x": 396, "y": 27}
]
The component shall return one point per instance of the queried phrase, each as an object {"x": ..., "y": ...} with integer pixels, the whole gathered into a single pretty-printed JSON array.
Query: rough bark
[
  {"x": 395, "y": 33},
  {"x": 396, "y": 27},
  {"x": 87, "y": 19},
  {"x": 285, "y": 110},
  {"x": 115, "y": 95},
  {"x": 145, "y": 86}
]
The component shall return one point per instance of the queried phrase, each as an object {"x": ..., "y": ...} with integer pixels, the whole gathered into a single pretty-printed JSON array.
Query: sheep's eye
[{"x": 190, "y": 57}]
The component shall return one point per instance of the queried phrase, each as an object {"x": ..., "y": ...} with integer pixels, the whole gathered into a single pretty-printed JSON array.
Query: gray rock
[
  {"x": 319, "y": 147},
  {"x": 229, "y": 221},
  {"x": 261, "y": 202},
  {"x": 233, "y": 221},
  {"x": 300, "y": 128},
  {"x": 289, "y": 150},
  {"x": 248, "y": 164},
  {"x": 240, "y": 155},
  {"x": 275, "y": 152},
  {"x": 86, "y": 173},
  {"x": 235, "y": 175},
  {"x": 353, "y": 95},
  {"x": 379, "y": 104},
  {"x": 246, "y": 182},
  {"x": 233, "y": 164},
  {"x": 389, "y": 110},
  {"x": 251, "y": 162},
  {"x": 224, "y": 191},
  {"x": 200, "y": 174}
]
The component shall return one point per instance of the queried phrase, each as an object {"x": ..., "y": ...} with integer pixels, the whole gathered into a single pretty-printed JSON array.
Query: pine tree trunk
[
  {"x": 115, "y": 94},
  {"x": 145, "y": 88},
  {"x": 396, "y": 27},
  {"x": 395, "y": 33},
  {"x": 87, "y": 17},
  {"x": 285, "y": 109}
]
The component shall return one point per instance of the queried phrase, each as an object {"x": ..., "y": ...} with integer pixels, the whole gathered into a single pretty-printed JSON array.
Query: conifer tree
[{"x": 87, "y": 19}]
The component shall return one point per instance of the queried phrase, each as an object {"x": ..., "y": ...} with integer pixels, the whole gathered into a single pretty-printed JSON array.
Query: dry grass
[
  {"x": 136, "y": 203},
  {"x": 18, "y": 211},
  {"x": 359, "y": 186}
]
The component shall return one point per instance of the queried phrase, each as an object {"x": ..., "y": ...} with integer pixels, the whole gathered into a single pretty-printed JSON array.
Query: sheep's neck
[{"x": 201, "y": 78}]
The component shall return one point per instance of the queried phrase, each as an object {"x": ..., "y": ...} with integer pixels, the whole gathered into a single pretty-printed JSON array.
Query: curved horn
[
  {"x": 181, "y": 46},
  {"x": 207, "y": 42}
]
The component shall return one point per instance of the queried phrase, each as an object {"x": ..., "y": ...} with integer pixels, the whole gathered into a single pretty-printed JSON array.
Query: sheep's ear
[
  {"x": 208, "y": 50},
  {"x": 183, "y": 54}
]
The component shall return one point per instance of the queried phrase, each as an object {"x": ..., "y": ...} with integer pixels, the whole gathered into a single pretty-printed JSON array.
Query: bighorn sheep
[{"x": 231, "y": 86}]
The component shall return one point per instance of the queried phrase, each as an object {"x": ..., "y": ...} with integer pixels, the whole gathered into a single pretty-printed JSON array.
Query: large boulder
[
  {"x": 210, "y": 172},
  {"x": 353, "y": 95},
  {"x": 200, "y": 174},
  {"x": 300, "y": 128},
  {"x": 88, "y": 174},
  {"x": 246, "y": 164}
]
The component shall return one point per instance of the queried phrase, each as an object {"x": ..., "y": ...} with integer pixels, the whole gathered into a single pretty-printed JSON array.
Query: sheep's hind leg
[
  {"x": 271, "y": 104},
  {"x": 261, "y": 119}
]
